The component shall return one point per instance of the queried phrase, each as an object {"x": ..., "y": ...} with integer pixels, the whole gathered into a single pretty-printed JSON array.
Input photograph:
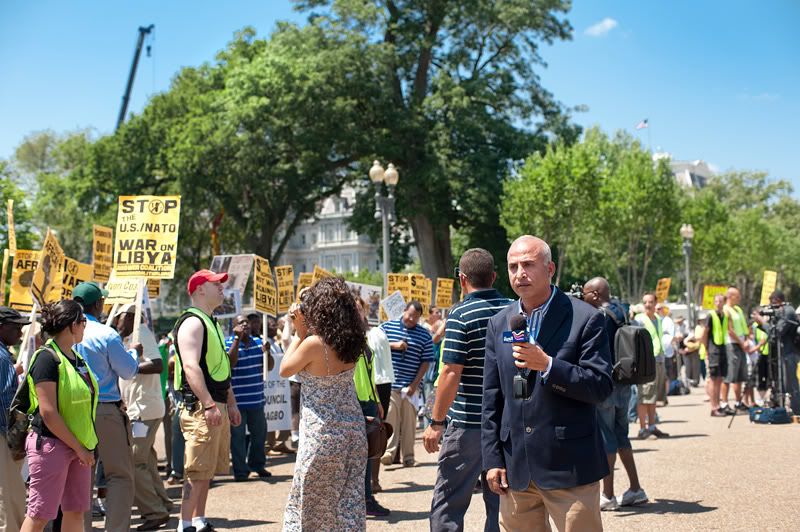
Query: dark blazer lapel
[{"x": 560, "y": 309}]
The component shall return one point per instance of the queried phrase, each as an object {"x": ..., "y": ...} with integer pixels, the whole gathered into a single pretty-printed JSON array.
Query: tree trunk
[{"x": 433, "y": 245}]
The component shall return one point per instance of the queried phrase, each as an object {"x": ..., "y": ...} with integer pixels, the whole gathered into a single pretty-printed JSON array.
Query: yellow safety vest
[{"x": 656, "y": 332}]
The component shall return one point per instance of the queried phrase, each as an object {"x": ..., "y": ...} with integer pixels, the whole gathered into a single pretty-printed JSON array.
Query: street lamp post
[
  {"x": 384, "y": 208},
  {"x": 687, "y": 233}
]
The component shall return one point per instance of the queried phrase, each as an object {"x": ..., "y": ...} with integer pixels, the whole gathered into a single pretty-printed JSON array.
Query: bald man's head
[
  {"x": 530, "y": 269},
  {"x": 533, "y": 243},
  {"x": 596, "y": 291}
]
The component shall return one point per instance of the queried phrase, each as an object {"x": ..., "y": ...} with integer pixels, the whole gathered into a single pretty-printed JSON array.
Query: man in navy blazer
[{"x": 544, "y": 453}]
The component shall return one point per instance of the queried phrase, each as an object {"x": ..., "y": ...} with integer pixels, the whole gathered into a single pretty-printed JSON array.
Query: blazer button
[{"x": 528, "y": 429}]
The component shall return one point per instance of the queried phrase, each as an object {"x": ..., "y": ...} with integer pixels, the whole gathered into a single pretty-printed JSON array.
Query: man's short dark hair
[
  {"x": 253, "y": 316},
  {"x": 416, "y": 304},
  {"x": 777, "y": 294},
  {"x": 477, "y": 265}
]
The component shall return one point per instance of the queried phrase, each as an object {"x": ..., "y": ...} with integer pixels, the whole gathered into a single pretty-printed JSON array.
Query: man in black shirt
[{"x": 785, "y": 329}]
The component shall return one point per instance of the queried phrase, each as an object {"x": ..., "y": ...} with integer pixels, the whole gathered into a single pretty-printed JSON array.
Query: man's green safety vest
[
  {"x": 717, "y": 329},
  {"x": 77, "y": 403},
  {"x": 759, "y": 336},
  {"x": 214, "y": 353},
  {"x": 739, "y": 322},
  {"x": 364, "y": 377},
  {"x": 655, "y": 331}
]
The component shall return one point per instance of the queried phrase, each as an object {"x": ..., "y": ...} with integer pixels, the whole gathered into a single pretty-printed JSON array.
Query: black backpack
[{"x": 633, "y": 351}]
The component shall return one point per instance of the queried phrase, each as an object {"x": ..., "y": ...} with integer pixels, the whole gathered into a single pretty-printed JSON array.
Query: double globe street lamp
[
  {"x": 384, "y": 207},
  {"x": 687, "y": 233}
]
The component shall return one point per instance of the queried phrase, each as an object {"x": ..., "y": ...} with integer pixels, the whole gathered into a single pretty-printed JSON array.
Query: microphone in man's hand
[{"x": 518, "y": 332}]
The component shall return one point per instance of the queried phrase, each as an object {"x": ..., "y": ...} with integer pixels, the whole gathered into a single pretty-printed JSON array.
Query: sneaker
[
  {"x": 98, "y": 509},
  {"x": 374, "y": 509},
  {"x": 658, "y": 434},
  {"x": 718, "y": 413},
  {"x": 728, "y": 410},
  {"x": 632, "y": 498},
  {"x": 608, "y": 505},
  {"x": 409, "y": 463},
  {"x": 741, "y": 407},
  {"x": 644, "y": 434}
]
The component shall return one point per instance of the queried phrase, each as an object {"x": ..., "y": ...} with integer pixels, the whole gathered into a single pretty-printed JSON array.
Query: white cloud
[{"x": 602, "y": 28}]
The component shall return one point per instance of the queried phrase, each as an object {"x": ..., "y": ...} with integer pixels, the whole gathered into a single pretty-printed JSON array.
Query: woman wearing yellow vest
[{"x": 63, "y": 398}]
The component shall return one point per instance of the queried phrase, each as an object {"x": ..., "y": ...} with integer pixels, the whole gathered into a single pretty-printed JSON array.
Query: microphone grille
[{"x": 518, "y": 322}]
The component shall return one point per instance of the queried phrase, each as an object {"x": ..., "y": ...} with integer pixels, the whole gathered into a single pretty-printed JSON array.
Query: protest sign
[
  {"x": 238, "y": 268},
  {"x": 304, "y": 280},
  {"x": 768, "y": 285},
  {"x": 662, "y": 289},
  {"x": 24, "y": 265},
  {"x": 394, "y": 306},
  {"x": 121, "y": 291},
  {"x": 12, "y": 234},
  {"x": 102, "y": 252},
  {"x": 370, "y": 295},
  {"x": 74, "y": 273},
  {"x": 709, "y": 291},
  {"x": 147, "y": 236},
  {"x": 417, "y": 282},
  {"x": 46, "y": 284},
  {"x": 5, "y": 275},
  {"x": 153, "y": 288},
  {"x": 277, "y": 395},
  {"x": 444, "y": 292},
  {"x": 401, "y": 282},
  {"x": 319, "y": 273},
  {"x": 284, "y": 277},
  {"x": 265, "y": 295}
]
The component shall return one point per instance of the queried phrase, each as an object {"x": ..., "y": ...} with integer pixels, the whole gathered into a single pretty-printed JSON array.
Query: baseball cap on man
[
  {"x": 9, "y": 315},
  {"x": 88, "y": 293},
  {"x": 202, "y": 277}
]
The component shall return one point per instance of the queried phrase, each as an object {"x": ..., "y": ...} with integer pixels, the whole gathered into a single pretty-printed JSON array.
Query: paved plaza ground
[{"x": 706, "y": 476}]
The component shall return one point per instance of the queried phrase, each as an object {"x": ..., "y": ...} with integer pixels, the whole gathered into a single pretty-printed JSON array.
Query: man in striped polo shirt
[
  {"x": 412, "y": 352},
  {"x": 246, "y": 352},
  {"x": 459, "y": 396}
]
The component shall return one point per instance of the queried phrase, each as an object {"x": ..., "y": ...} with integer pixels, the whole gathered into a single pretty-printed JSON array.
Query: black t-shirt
[{"x": 45, "y": 369}]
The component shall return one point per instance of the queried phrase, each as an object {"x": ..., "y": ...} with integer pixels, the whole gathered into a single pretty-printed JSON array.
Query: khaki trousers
[
  {"x": 572, "y": 510},
  {"x": 402, "y": 417},
  {"x": 149, "y": 496},
  {"x": 114, "y": 450},
  {"x": 12, "y": 490}
]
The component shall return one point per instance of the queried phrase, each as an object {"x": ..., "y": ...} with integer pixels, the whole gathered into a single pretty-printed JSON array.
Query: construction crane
[{"x": 143, "y": 32}]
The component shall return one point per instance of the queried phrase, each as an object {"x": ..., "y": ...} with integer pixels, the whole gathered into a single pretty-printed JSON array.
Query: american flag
[{"x": 642, "y": 124}]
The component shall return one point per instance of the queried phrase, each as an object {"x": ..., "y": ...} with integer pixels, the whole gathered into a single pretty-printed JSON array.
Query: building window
[{"x": 303, "y": 239}]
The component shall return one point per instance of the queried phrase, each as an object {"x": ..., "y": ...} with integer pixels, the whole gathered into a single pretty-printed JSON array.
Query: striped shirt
[
  {"x": 247, "y": 377},
  {"x": 8, "y": 385},
  {"x": 406, "y": 363},
  {"x": 464, "y": 344}
]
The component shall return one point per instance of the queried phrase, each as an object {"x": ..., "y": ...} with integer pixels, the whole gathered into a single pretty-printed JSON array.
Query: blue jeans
[
  {"x": 247, "y": 450},
  {"x": 460, "y": 466},
  {"x": 369, "y": 409},
  {"x": 178, "y": 445}
]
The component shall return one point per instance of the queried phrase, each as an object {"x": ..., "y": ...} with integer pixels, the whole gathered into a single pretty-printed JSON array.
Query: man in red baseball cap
[{"x": 203, "y": 375}]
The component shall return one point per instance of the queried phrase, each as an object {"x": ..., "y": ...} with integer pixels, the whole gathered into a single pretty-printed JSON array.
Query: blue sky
[{"x": 719, "y": 80}]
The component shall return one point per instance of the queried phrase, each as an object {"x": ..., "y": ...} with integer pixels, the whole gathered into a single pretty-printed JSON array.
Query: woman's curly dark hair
[
  {"x": 58, "y": 316},
  {"x": 331, "y": 313}
]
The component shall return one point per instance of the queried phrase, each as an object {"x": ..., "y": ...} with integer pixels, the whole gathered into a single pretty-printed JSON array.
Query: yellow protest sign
[
  {"x": 46, "y": 284},
  {"x": 304, "y": 280},
  {"x": 153, "y": 288},
  {"x": 417, "y": 287},
  {"x": 265, "y": 295},
  {"x": 428, "y": 291},
  {"x": 12, "y": 234},
  {"x": 121, "y": 291},
  {"x": 444, "y": 292},
  {"x": 284, "y": 276},
  {"x": 662, "y": 289},
  {"x": 709, "y": 292},
  {"x": 320, "y": 273},
  {"x": 768, "y": 285},
  {"x": 74, "y": 273},
  {"x": 147, "y": 236},
  {"x": 24, "y": 265},
  {"x": 5, "y": 275},
  {"x": 102, "y": 252},
  {"x": 399, "y": 282}
]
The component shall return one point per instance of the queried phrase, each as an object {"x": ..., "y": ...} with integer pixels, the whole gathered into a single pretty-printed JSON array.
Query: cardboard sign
[
  {"x": 238, "y": 268},
  {"x": 5, "y": 276},
  {"x": 304, "y": 280},
  {"x": 284, "y": 276},
  {"x": 12, "y": 234},
  {"x": 24, "y": 265},
  {"x": 46, "y": 284},
  {"x": 319, "y": 273},
  {"x": 102, "y": 252},
  {"x": 709, "y": 292},
  {"x": 231, "y": 305},
  {"x": 277, "y": 395},
  {"x": 394, "y": 306},
  {"x": 370, "y": 295},
  {"x": 121, "y": 291},
  {"x": 153, "y": 288},
  {"x": 444, "y": 292},
  {"x": 74, "y": 273},
  {"x": 265, "y": 295},
  {"x": 147, "y": 236},
  {"x": 662, "y": 289},
  {"x": 768, "y": 285},
  {"x": 418, "y": 292},
  {"x": 399, "y": 282}
]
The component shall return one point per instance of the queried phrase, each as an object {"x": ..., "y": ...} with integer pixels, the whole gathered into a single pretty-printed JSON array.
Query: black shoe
[
  {"x": 728, "y": 410},
  {"x": 741, "y": 407},
  {"x": 263, "y": 473},
  {"x": 241, "y": 479},
  {"x": 718, "y": 413},
  {"x": 376, "y": 510},
  {"x": 207, "y": 528},
  {"x": 658, "y": 434},
  {"x": 153, "y": 524},
  {"x": 190, "y": 529}
]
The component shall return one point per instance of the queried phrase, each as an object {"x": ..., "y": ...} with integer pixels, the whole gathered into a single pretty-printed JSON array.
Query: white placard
[
  {"x": 278, "y": 394},
  {"x": 394, "y": 305}
]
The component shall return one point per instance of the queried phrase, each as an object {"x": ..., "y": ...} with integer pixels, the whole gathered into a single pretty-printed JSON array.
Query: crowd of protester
[{"x": 98, "y": 399}]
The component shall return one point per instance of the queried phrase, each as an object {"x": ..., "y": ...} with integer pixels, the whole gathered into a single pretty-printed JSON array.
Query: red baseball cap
[{"x": 204, "y": 276}]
